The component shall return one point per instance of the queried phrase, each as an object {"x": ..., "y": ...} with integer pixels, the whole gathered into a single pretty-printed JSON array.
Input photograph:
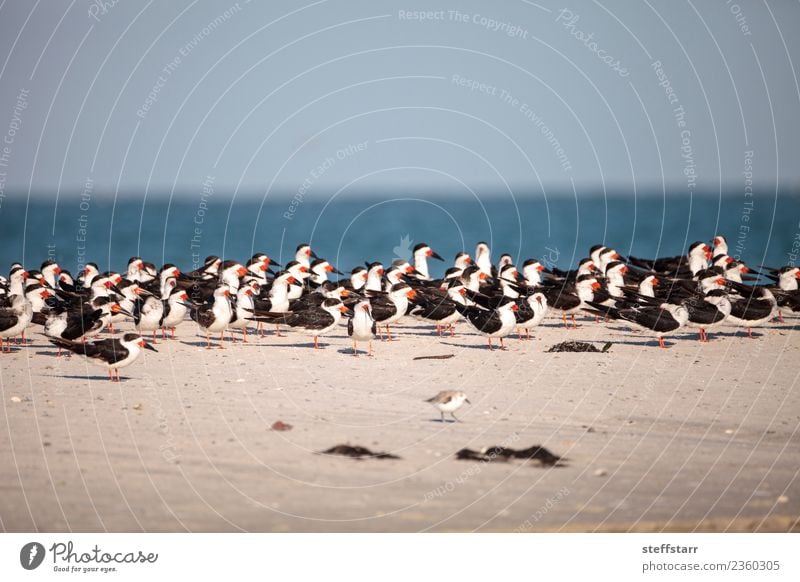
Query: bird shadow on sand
[
  {"x": 75, "y": 377},
  {"x": 444, "y": 421},
  {"x": 64, "y": 354},
  {"x": 359, "y": 353}
]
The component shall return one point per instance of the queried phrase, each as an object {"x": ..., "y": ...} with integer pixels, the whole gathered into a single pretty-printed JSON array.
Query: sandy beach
[{"x": 696, "y": 437}]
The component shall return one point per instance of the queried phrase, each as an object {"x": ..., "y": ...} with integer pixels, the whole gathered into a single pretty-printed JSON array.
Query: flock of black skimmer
[{"x": 701, "y": 290}]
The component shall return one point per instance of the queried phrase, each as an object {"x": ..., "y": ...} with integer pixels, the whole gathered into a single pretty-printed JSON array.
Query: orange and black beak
[
  {"x": 432, "y": 254},
  {"x": 147, "y": 346}
]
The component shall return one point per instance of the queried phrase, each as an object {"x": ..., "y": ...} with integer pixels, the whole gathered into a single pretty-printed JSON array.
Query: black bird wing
[
  {"x": 382, "y": 308},
  {"x": 310, "y": 319},
  {"x": 8, "y": 320},
  {"x": 751, "y": 309},
  {"x": 482, "y": 319},
  {"x": 81, "y": 322},
  {"x": 561, "y": 298},
  {"x": 702, "y": 312},
  {"x": 654, "y": 318},
  {"x": 109, "y": 350},
  {"x": 492, "y": 301},
  {"x": 435, "y": 310}
]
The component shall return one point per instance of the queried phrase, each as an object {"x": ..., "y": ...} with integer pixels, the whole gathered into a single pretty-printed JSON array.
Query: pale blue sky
[{"x": 158, "y": 96}]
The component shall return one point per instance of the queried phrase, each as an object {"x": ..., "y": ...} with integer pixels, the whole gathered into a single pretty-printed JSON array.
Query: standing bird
[
  {"x": 214, "y": 317},
  {"x": 361, "y": 326},
  {"x": 112, "y": 353},
  {"x": 449, "y": 401},
  {"x": 315, "y": 320},
  {"x": 664, "y": 319},
  {"x": 497, "y": 323},
  {"x": 388, "y": 308},
  {"x": 421, "y": 253},
  {"x": 483, "y": 258},
  {"x": 14, "y": 319}
]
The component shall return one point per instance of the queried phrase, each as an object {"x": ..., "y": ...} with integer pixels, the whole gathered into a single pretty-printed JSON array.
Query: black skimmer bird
[
  {"x": 175, "y": 311},
  {"x": 505, "y": 259},
  {"x": 134, "y": 269},
  {"x": 319, "y": 271},
  {"x": 483, "y": 258},
  {"x": 752, "y": 306},
  {"x": 707, "y": 311},
  {"x": 664, "y": 320},
  {"x": 90, "y": 273},
  {"x": 462, "y": 261},
  {"x": 388, "y": 308},
  {"x": 148, "y": 312},
  {"x": 50, "y": 271},
  {"x": 532, "y": 272},
  {"x": 244, "y": 307},
  {"x": 448, "y": 401},
  {"x": 111, "y": 353},
  {"x": 300, "y": 272},
  {"x": 497, "y": 323},
  {"x": 422, "y": 252},
  {"x": 531, "y": 312},
  {"x": 277, "y": 299},
  {"x": 720, "y": 244},
  {"x": 569, "y": 299},
  {"x": 361, "y": 326},
  {"x": 684, "y": 266},
  {"x": 605, "y": 257},
  {"x": 356, "y": 280},
  {"x": 439, "y": 307},
  {"x": 14, "y": 319},
  {"x": 304, "y": 254},
  {"x": 375, "y": 273},
  {"x": 315, "y": 321},
  {"x": 16, "y": 280},
  {"x": 586, "y": 266},
  {"x": 214, "y": 317}
]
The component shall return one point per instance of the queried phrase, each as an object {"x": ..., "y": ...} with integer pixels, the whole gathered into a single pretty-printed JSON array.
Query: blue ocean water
[{"x": 350, "y": 230}]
